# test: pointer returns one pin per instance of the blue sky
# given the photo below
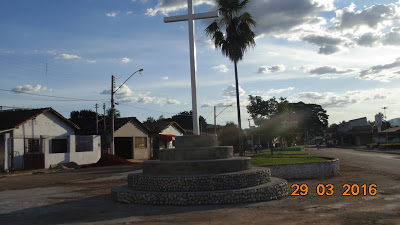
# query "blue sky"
(343, 55)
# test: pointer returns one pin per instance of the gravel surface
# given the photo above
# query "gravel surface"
(75, 202)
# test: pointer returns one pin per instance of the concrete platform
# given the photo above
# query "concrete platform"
(200, 153)
(208, 182)
(196, 141)
(275, 189)
(156, 167)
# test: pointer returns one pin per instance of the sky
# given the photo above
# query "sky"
(343, 55)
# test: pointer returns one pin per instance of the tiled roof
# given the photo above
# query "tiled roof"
(391, 130)
(367, 129)
(11, 119)
(118, 123)
(158, 127)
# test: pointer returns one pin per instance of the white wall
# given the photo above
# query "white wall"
(73, 156)
(172, 130)
(46, 127)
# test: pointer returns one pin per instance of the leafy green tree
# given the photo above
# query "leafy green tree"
(149, 120)
(117, 113)
(288, 120)
(238, 37)
(228, 136)
(184, 119)
(85, 119)
(161, 118)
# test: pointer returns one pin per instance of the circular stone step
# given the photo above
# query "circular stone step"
(276, 189)
(167, 183)
(202, 153)
(196, 141)
(157, 167)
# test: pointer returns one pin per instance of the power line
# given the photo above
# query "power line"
(52, 96)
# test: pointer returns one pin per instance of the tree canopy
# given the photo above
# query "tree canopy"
(278, 117)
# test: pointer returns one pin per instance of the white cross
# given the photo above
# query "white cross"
(191, 17)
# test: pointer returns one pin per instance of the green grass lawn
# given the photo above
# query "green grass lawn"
(291, 160)
(284, 157)
(359, 147)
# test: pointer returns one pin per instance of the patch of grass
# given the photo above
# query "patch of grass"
(283, 154)
(262, 161)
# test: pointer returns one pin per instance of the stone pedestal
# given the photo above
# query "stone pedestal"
(199, 172)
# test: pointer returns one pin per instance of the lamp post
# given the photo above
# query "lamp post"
(113, 106)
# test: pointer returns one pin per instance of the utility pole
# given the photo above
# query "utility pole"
(384, 110)
(215, 119)
(112, 114)
(97, 120)
(215, 116)
(104, 116)
(113, 106)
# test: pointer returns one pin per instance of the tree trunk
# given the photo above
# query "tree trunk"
(238, 111)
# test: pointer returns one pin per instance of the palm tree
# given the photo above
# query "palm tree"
(237, 39)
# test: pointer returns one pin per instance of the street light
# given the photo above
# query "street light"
(113, 106)
(215, 117)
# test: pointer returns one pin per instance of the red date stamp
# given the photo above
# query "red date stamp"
(329, 189)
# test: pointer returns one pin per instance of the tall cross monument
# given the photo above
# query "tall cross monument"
(191, 17)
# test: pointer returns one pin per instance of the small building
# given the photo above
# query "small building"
(131, 138)
(37, 138)
(163, 135)
(355, 132)
(391, 135)
(331, 135)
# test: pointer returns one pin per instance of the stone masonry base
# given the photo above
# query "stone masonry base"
(275, 189)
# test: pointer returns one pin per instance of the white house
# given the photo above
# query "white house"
(131, 138)
(37, 138)
(163, 134)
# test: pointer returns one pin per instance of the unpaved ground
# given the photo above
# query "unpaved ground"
(90, 203)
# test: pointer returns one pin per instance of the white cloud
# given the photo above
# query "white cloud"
(230, 91)
(126, 95)
(375, 17)
(220, 103)
(91, 61)
(166, 6)
(7, 52)
(51, 52)
(125, 60)
(221, 68)
(205, 42)
(129, 12)
(271, 69)
(272, 92)
(68, 56)
(383, 73)
(328, 70)
(173, 102)
(112, 14)
(334, 100)
(164, 78)
(29, 88)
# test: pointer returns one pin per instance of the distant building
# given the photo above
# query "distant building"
(37, 138)
(354, 132)
(163, 135)
(131, 138)
(391, 135)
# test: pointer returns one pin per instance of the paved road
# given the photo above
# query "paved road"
(389, 163)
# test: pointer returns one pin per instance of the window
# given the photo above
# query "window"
(84, 143)
(140, 142)
(59, 146)
(32, 145)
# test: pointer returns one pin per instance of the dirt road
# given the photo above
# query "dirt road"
(87, 201)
